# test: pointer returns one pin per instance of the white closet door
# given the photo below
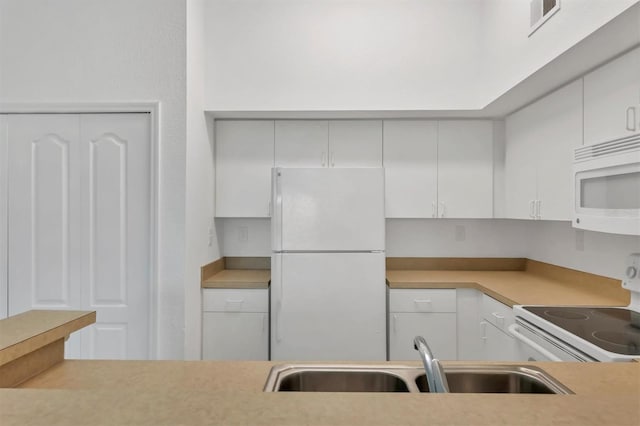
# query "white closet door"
(43, 215)
(115, 174)
(79, 225)
(3, 216)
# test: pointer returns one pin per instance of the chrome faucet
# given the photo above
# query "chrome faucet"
(436, 379)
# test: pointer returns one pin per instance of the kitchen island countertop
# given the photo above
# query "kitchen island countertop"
(209, 392)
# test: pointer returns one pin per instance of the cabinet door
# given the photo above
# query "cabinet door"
(498, 346)
(235, 336)
(355, 143)
(612, 100)
(465, 169)
(301, 143)
(521, 163)
(438, 329)
(244, 158)
(558, 132)
(411, 171)
(4, 154)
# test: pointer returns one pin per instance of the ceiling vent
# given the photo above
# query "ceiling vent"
(541, 11)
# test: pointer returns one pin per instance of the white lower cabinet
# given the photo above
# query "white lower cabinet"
(235, 324)
(497, 343)
(430, 313)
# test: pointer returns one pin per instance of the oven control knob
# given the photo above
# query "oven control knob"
(632, 272)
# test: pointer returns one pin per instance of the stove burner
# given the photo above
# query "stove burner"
(564, 314)
(617, 338)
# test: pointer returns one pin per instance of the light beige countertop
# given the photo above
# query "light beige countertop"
(537, 284)
(23, 333)
(236, 272)
(209, 392)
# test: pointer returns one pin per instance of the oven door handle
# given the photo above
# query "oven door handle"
(514, 330)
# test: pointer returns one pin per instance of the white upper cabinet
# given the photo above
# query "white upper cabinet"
(411, 171)
(301, 143)
(465, 169)
(318, 143)
(244, 158)
(612, 100)
(540, 140)
(355, 143)
(438, 169)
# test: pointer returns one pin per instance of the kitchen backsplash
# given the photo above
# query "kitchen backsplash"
(546, 241)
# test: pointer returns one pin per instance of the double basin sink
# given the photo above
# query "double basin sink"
(480, 378)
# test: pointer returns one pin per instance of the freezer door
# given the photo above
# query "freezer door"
(328, 307)
(328, 209)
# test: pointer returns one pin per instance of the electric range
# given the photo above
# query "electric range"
(584, 333)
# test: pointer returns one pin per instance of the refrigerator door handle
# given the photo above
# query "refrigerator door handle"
(277, 321)
(276, 213)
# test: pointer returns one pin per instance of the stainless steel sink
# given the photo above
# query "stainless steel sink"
(497, 379)
(340, 378)
(474, 378)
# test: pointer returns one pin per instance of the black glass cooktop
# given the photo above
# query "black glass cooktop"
(612, 329)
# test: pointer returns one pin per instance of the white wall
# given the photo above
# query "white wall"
(342, 54)
(510, 55)
(456, 238)
(201, 239)
(594, 252)
(272, 55)
(113, 51)
(245, 237)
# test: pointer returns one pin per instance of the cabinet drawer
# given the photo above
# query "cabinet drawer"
(430, 300)
(497, 313)
(235, 300)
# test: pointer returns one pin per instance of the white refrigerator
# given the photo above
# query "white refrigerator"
(328, 291)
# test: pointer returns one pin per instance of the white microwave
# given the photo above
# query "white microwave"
(607, 186)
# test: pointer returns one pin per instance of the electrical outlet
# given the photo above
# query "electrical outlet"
(243, 234)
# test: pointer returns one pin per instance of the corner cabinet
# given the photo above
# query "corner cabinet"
(540, 140)
(235, 324)
(438, 169)
(430, 313)
(612, 100)
(244, 157)
(321, 143)
(497, 343)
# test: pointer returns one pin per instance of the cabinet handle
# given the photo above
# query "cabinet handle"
(433, 210)
(443, 205)
(233, 304)
(538, 205)
(499, 319)
(631, 119)
(424, 305)
(323, 159)
(395, 322)
(333, 157)
(483, 330)
(532, 209)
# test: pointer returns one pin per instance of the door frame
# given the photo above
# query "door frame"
(150, 107)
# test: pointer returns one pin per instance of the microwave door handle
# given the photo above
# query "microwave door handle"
(514, 330)
(631, 119)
